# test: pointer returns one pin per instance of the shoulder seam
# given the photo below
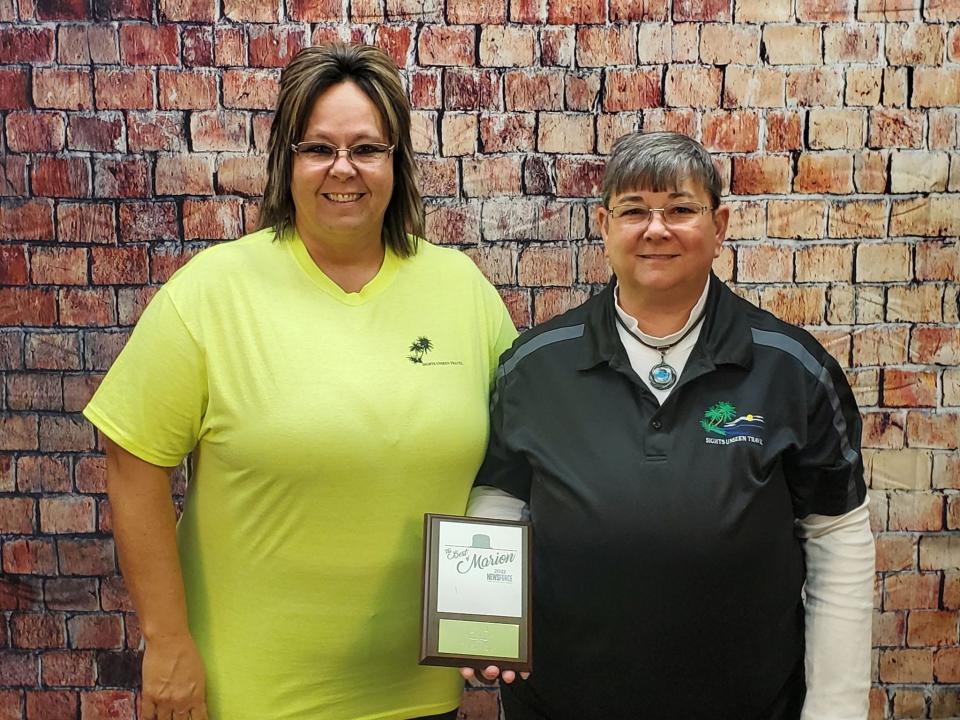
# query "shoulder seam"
(550, 337)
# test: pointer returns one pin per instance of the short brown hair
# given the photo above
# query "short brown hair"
(310, 73)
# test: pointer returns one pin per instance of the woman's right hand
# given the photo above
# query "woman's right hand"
(174, 680)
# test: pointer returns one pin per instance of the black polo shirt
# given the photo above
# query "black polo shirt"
(667, 574)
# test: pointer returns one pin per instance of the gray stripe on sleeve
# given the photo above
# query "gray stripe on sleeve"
(819, 371)
(540, 341)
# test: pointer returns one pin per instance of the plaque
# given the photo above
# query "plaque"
(476, 592)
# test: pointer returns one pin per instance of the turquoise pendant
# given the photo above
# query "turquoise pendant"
(662, 376)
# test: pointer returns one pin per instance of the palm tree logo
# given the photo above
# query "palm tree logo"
(418, 349)
(717, 415)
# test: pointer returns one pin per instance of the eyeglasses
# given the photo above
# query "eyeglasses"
(362, 155)
(674, 215)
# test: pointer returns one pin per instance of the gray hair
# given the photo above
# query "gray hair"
(659, 162)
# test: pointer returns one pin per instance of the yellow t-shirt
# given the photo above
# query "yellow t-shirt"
(323, 425)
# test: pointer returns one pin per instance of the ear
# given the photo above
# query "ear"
(603, 216)
(721, 218)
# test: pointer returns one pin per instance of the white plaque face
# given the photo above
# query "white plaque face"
(480, 569)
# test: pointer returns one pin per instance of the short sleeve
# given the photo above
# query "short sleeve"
(152, 400)
(825, 475)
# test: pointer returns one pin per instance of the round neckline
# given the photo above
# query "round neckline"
(375, 287)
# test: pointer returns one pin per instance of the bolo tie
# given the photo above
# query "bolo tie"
(662, 376)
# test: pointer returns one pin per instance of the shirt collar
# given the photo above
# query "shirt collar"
(724, 339)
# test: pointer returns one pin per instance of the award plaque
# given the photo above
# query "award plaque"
(476, 593)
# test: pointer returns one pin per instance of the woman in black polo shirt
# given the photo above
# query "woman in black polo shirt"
(691, 465)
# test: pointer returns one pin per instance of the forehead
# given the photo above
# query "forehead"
(344, 108)
(686, 189)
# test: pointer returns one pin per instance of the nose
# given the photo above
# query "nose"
(342, 168)
(656, 228)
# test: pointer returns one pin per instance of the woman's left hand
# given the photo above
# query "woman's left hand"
(489, 675)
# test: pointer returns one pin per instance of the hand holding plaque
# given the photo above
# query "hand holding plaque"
(476, 597)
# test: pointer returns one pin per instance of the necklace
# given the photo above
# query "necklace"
(662, 375)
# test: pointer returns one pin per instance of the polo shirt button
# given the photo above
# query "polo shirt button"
(656, 424)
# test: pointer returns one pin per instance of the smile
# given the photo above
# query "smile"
(343, 197)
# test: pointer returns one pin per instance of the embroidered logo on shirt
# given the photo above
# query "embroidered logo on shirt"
(420, 347)
(722, 420)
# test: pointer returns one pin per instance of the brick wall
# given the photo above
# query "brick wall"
(132, 135)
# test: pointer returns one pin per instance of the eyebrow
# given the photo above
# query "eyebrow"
(639, 198)
(358, 139)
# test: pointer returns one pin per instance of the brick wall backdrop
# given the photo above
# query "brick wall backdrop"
(132, 134)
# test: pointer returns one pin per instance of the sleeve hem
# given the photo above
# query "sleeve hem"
(126, 442)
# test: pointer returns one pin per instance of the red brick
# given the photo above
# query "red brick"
(148, 222)
(118, 265)
(753, 87)
(935, 345)
(736, 131)
(250, 89)
(86, 222)
(832, 129)
(26, 45)
(17, 515)
(142, 44)
(604, 46)
(37, 630)
(557, 46)
(27, 306)
(797, 305)
(211, 219)
(315, 10)
(107, 705)
(63, 433)
(187, 89)
(66, 514)
(896, 552)
(825, 10)
(20, 432)
(816, 86)
(91, 474)
(13, 176)
(928, 430)
(184, 175)
(931, 628)
(784, 131)
(540, 91)
(544, 266)
(33, 391)
(486, 176)
(942, 10)
(67, 668)
(95, 632)
(198, 46)
(165, 261)
(445, 45)
(632, 90)
(824, 173)
(78, 389)
(910, 591)
(243, 175)
(18, 669)
(13, 89)
(909, 388)
(577, 12)
(946, 663)
(693, 86)
(632, 10)
(59, 266)
(579, 178)
(61, 9)
(60, 177)
(62, 89)
(11, 705)
(550, 302)
(708, 10)
(883, 430)
(13, 265)
(123, 89)
(906, 666)
(86, 557)
(396, 41)
(273, 46)
(937, 260)
(52, 351)
(51, 705)
(914, 44)
(895, 128)
(188, 10)
(916, 511)
(156, 131)
(935, 87)
(581, 92)
(425, 89)
(28, 557)
(758, 175)
(722, 44)
(222, 130)
(230, 43)
(131, 303)
(507, 133)
(470, 12)
(101, 133)
(83, 44)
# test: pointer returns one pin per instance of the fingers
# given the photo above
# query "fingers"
(490, 673)
(508, 676)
